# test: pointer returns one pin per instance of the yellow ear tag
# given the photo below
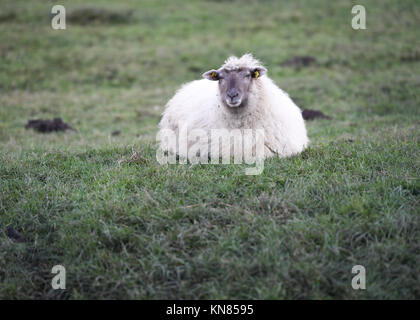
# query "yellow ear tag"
(256, 74)
(213, 75)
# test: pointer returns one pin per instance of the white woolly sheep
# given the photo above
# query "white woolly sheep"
(239, 95)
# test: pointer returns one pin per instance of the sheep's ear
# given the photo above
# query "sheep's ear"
(258, 72)
(211, 75)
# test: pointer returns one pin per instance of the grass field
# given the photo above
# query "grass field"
(126, 227)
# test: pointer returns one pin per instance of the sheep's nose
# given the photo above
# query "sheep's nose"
(232, 94)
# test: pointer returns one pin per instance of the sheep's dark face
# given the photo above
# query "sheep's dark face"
(234, 85)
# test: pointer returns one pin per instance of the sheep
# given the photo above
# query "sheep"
(237, 96)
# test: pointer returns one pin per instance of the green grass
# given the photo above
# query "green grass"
(126, 227)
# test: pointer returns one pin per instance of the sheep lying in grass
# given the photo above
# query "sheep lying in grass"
(239, 95)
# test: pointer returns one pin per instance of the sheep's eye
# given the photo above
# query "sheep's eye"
(247, 75)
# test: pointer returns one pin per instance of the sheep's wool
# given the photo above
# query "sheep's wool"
(197, 105)
(246, 61)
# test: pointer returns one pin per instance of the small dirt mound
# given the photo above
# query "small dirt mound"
(309, 114)
(115, 133)
(46, 126)
(300, 61)
(7, 16)
(91, 15)
(411, 57)
(14, 235)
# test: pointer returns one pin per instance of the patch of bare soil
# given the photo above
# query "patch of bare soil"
(309, 114)
(14, 235)
(46, 126)
(94, 15)
(300, 61)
